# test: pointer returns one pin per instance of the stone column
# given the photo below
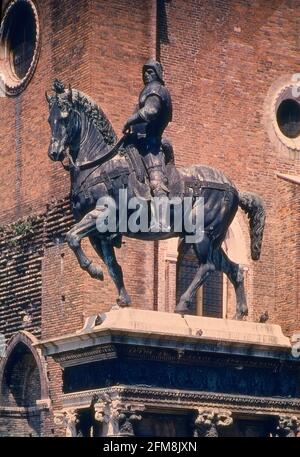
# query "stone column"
(126, 420)
(209, 421)
(67, 418)
(116, 416)
(288, 426)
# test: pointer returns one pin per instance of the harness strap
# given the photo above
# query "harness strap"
(197, 186)
(105, 178)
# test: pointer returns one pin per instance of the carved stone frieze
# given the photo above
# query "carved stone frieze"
(67, 418)
(86, 355)
(288, 426)
(162, 399)
(116, 416)
(209, 421)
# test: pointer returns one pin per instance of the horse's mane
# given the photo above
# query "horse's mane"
(84, 103)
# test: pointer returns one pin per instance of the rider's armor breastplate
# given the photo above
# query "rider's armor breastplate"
(156, 126)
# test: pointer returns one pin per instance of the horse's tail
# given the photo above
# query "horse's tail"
(254, 207)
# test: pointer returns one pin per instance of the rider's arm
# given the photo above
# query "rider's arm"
(149, 111)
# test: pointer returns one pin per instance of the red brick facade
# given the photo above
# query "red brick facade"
(220, 60)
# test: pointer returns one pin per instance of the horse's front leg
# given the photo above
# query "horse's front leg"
(85, 227)
(105, 249)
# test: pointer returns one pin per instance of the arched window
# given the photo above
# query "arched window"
(23, 388)
(21, 385)
(216, 298)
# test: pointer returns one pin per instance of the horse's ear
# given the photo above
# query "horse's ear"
(48, 98)
(70, 94)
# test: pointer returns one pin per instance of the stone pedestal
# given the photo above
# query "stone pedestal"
(206, 371)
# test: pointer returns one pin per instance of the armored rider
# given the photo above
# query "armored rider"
(148, 122)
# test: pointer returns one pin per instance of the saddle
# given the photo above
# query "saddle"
(138, 180)
(189, 182)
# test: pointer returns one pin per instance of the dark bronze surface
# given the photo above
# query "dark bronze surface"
(143, 163)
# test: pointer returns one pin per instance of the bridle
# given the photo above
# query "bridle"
(93, 163)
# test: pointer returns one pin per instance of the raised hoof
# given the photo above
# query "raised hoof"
(96, 272)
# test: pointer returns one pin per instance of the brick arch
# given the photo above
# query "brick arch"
(237, 247)
(23, 343)
(237, 241)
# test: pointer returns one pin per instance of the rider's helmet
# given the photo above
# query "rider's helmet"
(156, 66)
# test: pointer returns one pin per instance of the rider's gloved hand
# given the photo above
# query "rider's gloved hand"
(134, 119)
(127, 127)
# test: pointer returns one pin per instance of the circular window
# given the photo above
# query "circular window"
(288, 118)
(281, 116)
(19, 35)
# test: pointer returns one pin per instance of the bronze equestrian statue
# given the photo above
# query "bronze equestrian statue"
(145, 129)
(100, 166)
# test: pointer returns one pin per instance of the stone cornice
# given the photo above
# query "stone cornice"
(167, 399)
(42, 405)
(165, 330)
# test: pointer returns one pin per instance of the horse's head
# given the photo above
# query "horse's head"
(60, 120)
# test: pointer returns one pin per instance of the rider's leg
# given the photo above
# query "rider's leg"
(168, 151)
(159, 222)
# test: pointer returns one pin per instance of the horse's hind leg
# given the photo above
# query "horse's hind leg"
(86, 226)
(105, 250)
(206, 266)
(235, 274)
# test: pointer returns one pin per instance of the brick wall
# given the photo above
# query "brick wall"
(77, 48)
(220, 59)
(76, 43)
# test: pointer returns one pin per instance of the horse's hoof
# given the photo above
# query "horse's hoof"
(240, 315)
(123, 299)
(96, 272)
(123, 303)
(244, 311)
(182, 309)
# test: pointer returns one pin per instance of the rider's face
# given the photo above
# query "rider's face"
(149, 75)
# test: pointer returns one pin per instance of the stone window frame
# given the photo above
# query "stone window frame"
(284, 88)
(10, 85)
(29, 341)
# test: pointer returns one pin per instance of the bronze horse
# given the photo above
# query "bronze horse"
(82, 134)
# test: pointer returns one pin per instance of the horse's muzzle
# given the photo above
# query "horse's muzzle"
(56, 151)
